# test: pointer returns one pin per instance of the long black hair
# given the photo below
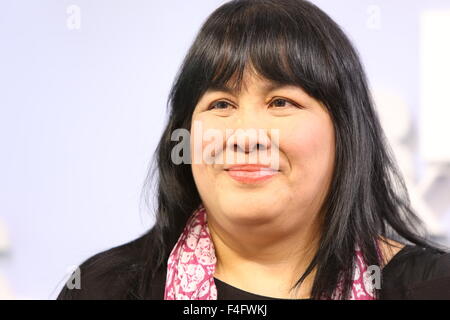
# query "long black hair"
(291, 42)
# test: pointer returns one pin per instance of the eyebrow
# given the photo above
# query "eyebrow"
(270, 86)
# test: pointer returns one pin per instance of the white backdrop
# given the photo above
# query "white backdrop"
(83, 90)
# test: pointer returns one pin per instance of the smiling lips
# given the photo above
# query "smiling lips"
(251, 173)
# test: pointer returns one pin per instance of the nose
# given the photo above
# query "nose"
(248, 141)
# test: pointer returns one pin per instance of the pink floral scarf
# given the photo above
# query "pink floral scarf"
(191, 265)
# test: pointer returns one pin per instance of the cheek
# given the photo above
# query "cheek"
(203, 149)
(206, 140)
(309, 147)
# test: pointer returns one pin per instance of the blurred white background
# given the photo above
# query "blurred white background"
(83, 89)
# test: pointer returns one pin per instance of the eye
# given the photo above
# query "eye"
(221, 105)
(277, 103)
(280, 102)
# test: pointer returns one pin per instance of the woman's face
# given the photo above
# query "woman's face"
(297, 133)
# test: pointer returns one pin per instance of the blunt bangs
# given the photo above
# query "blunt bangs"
(262, 38)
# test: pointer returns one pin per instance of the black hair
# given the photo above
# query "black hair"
(291, 42)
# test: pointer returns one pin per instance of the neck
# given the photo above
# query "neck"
(263, 260)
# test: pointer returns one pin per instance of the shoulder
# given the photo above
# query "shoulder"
(416, 272)
(110, 274)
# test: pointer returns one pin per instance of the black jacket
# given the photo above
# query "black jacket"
(413, 273)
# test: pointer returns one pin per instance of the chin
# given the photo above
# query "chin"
(250, 211)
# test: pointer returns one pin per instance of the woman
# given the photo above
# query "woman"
(324, 216)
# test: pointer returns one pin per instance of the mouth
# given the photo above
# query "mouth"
(251, 175)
